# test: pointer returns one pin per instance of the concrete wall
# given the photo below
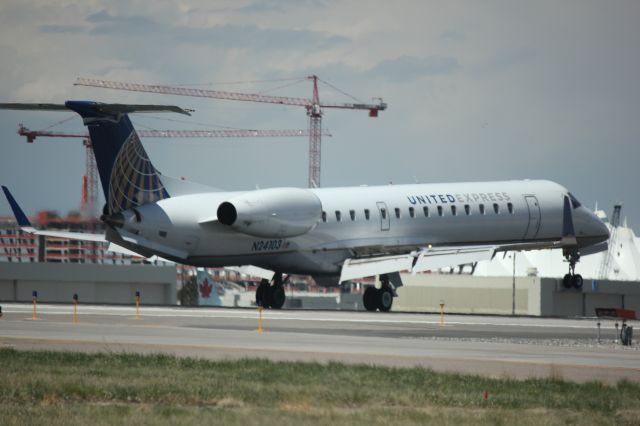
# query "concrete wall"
(57, 282)
(493, 295)
(465, 294)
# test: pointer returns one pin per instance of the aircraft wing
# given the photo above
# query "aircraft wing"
(25, 225)
(431, 258)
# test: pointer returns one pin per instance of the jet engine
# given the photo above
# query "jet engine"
(272, 213)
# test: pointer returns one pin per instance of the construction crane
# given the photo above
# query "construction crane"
(605, 265)
(89, 198)
(313, 108)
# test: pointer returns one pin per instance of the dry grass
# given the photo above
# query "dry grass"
(73, 388)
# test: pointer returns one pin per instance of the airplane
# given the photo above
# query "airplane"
(333, 234)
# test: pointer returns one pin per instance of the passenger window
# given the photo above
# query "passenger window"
(397, 213)
(324, 216)
(496, 208)
(425, 209)
(467, 209)
(510, 208)
(439, 210)
(163, 234)
(383, 213)
(453, 210)
(412, 212)
(481, 206)
(366, 214)
(352, 213)
(338, 216)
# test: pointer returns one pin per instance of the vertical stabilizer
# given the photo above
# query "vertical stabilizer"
(127, 175)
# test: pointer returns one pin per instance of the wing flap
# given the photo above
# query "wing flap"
(443, 257)
(253, 271)
(366, 267)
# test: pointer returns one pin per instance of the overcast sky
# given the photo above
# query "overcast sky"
(476, 90)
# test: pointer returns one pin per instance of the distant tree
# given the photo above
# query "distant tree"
(188, 294)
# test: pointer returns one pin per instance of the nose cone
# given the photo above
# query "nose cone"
(589, 228)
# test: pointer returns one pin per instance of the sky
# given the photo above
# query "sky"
(476, 91)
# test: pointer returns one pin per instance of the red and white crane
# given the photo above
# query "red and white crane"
(313, 108)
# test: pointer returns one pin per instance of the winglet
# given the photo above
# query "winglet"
(17, 211)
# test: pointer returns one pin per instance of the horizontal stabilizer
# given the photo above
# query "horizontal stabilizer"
(34, 107)
(111, 109)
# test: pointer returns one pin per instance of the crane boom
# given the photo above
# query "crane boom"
(212, 133)
(313, 107)
(218, 94)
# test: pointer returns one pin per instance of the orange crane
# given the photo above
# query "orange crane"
(89, 198)
(313, 107)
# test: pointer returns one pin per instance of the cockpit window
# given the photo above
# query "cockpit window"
(574, 202)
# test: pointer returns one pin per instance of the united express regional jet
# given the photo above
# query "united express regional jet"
(332, 234)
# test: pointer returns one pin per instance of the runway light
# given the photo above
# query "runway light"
(137, 305)
(260, 329)
(75, 307)
(34, 297)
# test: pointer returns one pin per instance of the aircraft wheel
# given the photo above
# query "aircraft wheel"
(263, 295)
(567, 281)
(577, 281)
(369, 299)
(278, 297)
(385, 299)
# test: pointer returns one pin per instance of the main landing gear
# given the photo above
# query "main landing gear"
(379, 298)
(271, 295)
(572, 279)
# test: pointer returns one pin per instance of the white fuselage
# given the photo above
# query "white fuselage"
(361, 221)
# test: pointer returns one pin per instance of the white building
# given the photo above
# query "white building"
(624, 263)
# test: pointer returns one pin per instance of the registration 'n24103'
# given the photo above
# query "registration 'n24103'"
(268, 245)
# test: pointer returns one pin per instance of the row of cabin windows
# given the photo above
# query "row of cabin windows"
(425, 211)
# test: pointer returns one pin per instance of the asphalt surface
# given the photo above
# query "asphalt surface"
(493, 346)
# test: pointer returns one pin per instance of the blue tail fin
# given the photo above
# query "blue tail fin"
(127, 175)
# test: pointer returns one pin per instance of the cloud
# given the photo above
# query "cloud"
(229, 36)
(61, 29)
(411, 68)
(453, 36)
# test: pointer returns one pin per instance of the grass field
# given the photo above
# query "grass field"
(72, 388)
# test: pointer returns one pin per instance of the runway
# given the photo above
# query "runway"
(484, 345)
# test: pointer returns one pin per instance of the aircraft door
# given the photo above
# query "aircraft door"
(534, 217)
(385, 221)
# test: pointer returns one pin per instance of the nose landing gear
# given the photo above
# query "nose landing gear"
(572, 279)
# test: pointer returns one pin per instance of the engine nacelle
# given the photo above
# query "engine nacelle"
(272, 213)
